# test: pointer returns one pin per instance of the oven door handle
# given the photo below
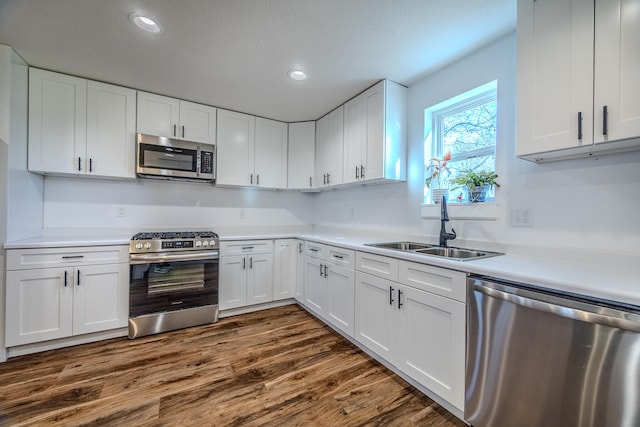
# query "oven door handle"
(168, 257)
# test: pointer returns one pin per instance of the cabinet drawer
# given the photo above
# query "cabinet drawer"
(339, 256)
(246, 247)
(315, 250)
(440, 281)
(377, 265)
(22, 259)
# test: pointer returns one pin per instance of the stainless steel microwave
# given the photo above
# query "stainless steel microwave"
(166, 158)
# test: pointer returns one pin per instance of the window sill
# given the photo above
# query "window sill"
(485, 211)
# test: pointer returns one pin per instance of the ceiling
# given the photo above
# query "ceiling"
(235, 54)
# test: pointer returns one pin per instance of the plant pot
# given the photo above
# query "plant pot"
(478, 194)
(438, 193)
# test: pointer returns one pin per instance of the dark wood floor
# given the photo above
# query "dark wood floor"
(279, 367)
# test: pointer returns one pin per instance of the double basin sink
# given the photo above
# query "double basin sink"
(458, 254)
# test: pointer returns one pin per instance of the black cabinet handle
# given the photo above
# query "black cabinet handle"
(244, 263)
(399, 299)
(324, 179)
(310, 182)
(78, 277)
(174, 130)
(390, 295)
(66, 281)
(328, 179)
(258, 179)
(299, 248)
(361, 171)
(326, 273)
(79, 164)
(251, 263)
(357, 173)
(245, 248)
(183, 131)
(605, 117)
(321, 275)
(90, 165)
(338, 256)
(251, 179)
(580, 125)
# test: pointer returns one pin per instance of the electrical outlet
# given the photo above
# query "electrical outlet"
(121, 211)
(522, 217)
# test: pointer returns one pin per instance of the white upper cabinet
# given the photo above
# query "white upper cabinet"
(80, 127)
(270, 154)
(111, 130)
(301, 160)
(174, 118)
(375, 134)
(251, 151)
(574, 68)
(57, 122)
(329, 148)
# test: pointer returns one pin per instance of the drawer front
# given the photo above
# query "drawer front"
(246, 247)
(339, 256)
(315, 250)
(23, 259)
(377, 265)
(440, 281)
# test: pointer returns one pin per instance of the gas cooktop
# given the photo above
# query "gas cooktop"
(173, 241)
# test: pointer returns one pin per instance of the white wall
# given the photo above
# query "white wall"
(86, 203)
(586, 204)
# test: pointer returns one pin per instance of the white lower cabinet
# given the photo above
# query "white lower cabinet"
(45, 300)
(285, 266)
(246, 273)
(418, 331)
(329, 285)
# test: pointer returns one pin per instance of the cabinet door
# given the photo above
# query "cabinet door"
(259, 278)
(555, 74)
(432, 349)
(101, 298)
(300, 276)
(197, 122)
(329, 148)
(57, 122)
(340, 298)
(377, 315)
(617, 67)
(158, 115)
(39, 305)
(301, 160)
(233, 282)
(270, 153)
(374, 151)
(235, 144)
(285, 268)
(315, 292)
(355, 138)
(111, 130)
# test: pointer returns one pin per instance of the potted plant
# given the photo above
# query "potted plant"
(438, 167)
(476, 183)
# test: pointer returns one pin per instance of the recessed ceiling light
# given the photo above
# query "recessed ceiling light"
(144, 23)
(297, 74)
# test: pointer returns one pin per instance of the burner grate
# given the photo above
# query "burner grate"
(169, 235)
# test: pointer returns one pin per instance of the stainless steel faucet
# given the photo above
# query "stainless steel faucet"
(444, 218)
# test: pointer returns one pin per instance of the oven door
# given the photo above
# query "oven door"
(168, 282)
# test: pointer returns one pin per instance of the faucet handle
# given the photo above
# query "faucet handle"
(454, 233)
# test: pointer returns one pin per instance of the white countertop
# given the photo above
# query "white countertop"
(613, 277)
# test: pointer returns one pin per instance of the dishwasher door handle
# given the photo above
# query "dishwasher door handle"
(621, 322)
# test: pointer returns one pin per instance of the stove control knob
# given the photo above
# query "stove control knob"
(148, 245)
(198, 243)
(205, 243)
(139, 245)
(212, 243)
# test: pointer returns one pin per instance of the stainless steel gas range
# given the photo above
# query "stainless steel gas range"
(173, 281)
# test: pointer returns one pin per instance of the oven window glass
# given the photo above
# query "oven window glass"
(168, 278)
(160, 157)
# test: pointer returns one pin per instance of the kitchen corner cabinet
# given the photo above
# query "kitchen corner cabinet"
(174, 118)
(329, 148)
(285, 266)
(375, 141)
(251, 151)
(577, 78)
(61, 292)
(329, 285)
(301, 159)
(246, 273)
(80, 127)
(402, 316)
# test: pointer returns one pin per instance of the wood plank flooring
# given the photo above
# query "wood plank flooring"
(278, 367)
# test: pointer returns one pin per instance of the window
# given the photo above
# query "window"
(464, 129)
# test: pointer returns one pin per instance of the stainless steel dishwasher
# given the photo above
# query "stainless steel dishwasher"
(541, 358)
